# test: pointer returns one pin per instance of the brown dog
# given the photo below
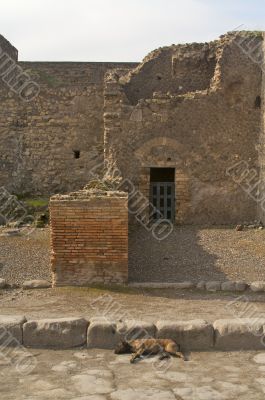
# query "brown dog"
(139, 347)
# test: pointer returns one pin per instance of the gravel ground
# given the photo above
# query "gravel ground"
(197, 253)
(25, 257)
(189, 253)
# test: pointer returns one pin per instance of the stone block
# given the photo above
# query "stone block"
(228, 286)
(102, 334)
(201, 285)
(2, 283)
(213, 286)
(241, 286)
(257, 286)
(239, 334)
(184, 285)
(131, 330)
(11, 332)
(36, 284)
(190, 335)
(58, 333)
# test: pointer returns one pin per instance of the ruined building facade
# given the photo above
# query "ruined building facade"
(176, 127)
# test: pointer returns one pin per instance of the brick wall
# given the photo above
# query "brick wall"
(89, 239)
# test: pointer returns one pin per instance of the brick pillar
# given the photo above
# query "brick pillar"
(89, 239)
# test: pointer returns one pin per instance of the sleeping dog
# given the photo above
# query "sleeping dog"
(139, 347)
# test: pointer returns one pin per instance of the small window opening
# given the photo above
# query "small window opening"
(76, 153)
(258, 102)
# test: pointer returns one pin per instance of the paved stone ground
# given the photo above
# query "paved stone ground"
(101, 375)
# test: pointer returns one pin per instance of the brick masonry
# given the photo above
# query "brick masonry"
(89, 239)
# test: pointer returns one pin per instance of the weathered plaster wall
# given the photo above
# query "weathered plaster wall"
(38, 138)
(200, 133)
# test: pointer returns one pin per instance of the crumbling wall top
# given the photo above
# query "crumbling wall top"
(184, 68)
(6, 47)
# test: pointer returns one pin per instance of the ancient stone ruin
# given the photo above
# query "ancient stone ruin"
(184, 130)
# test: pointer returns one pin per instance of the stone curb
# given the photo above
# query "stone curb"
(190, 335)
(11, 330)
(61, 333)
(36, 284)
(239, 334)
(194, 335)
(210, 286)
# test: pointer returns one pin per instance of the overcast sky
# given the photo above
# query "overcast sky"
(118, 30)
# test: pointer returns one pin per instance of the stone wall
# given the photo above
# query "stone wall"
(260, 193)
(89, 239)
(200, 133)
(50, 144)
(6, 47)
(177, 69)
(193, 107)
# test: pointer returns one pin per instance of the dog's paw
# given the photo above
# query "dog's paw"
(186, 358)
(164, 357)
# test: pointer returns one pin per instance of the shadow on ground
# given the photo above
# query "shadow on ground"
(177, 258)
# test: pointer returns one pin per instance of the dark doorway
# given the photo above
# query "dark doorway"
(162, 174)
(162, 193)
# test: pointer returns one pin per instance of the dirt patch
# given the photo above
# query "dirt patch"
(115, 304)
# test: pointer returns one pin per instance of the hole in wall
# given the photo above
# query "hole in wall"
(76, 153)
(159, 77)
(258, 102)
(169, 159)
